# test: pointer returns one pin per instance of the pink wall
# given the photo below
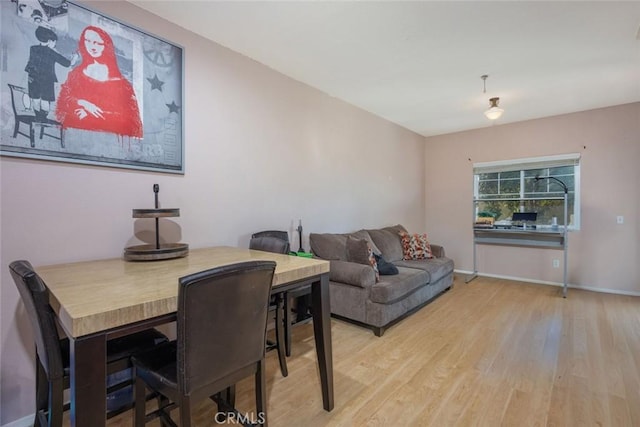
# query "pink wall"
(262, 151)
(602, 255)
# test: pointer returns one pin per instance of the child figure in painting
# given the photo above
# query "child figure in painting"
(41, 70)
(96, 96)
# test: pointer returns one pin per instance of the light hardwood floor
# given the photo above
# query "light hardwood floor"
(488, 353)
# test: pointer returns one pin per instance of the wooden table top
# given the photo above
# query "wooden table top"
(94, 296)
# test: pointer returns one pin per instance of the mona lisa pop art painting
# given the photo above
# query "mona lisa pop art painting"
(78, 86)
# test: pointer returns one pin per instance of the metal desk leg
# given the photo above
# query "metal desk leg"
(475, 266)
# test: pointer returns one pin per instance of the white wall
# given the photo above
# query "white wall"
(603, 255)
(262, 151)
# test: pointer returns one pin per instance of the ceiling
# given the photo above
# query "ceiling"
(418, 64)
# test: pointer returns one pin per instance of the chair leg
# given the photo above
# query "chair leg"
(231, 395)
(185, 411)
(287, 323)
(261, 394)
(140, 409)
(226, 402)
(280, 337)
(41, 419)
(56, 402)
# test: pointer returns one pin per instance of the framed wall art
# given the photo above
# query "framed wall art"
(78, 86)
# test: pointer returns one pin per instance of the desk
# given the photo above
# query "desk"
(531, 237)
(105, 299)
(541, 237)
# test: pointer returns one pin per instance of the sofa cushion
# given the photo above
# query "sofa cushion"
(385, 268)
(363, 234)
(388, 241)
(415, 246)
(359, 251)
(329, 246)
(394, 288)
(435, 268)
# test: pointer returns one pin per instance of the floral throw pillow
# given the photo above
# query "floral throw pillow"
(359, 250)
(415, 246)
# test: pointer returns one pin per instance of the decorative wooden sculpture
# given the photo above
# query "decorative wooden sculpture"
(158, 251)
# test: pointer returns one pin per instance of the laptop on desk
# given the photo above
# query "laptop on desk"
(524, 219)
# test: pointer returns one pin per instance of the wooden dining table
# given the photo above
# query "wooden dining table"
(96, 301)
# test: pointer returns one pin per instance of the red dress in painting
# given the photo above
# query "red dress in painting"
(112, 104)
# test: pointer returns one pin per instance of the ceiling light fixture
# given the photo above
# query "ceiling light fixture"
(494, 112)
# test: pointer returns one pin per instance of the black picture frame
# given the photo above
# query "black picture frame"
(118, 91)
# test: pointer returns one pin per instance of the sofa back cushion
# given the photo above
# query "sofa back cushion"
(363, 234)
(329, 246)
(388, 242)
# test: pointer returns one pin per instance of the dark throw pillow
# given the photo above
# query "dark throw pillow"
(385, 268)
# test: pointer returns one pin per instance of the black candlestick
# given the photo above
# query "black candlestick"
(156, 189)
(300, 237)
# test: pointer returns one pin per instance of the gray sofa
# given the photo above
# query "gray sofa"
(355, 294)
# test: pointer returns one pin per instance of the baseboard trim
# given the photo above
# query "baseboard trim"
(22, 422)
(544, 282)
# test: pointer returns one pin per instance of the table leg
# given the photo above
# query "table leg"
(88, 381)
(322, 332)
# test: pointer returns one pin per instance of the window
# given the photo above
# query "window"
(502, 188)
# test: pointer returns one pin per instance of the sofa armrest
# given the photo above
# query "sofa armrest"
(352, 273)
(437, 251)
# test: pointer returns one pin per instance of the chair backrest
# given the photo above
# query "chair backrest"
(270, 241)
(35, 297)
(222, 322)
(283, 235)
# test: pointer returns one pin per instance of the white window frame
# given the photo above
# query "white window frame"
(521, 165)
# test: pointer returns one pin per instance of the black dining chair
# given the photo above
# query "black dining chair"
(301, 297)
(277, 242)
(52, 350)
(221, 330)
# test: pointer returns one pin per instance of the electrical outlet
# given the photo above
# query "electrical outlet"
(556, 263)
(620, 219)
